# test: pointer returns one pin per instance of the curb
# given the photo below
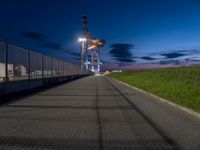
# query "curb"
(187, 110)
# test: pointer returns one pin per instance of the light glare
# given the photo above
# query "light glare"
(82, 39)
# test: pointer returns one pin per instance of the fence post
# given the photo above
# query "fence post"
(63, 68)
(42, 67)
(6, 66)
(58, 68)
(51, 67)
(6, 63)
(29, 67)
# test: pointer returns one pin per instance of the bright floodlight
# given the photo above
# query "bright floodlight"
(82, 39)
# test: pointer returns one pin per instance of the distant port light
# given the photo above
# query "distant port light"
(82, 39)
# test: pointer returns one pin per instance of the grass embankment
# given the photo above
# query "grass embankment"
(179, 85)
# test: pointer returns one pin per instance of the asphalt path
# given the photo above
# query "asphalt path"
(96, 113)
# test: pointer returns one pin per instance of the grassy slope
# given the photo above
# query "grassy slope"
(179, 85)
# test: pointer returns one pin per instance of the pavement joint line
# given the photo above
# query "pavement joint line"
(187, 110)
(99, 117)
(165, 136)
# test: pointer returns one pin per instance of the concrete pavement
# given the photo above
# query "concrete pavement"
(95, 113)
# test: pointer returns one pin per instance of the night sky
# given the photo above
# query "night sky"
(137, 32)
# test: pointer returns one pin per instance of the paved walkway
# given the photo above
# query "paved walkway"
(95, 113)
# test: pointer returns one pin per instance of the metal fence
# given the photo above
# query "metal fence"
(23, 64)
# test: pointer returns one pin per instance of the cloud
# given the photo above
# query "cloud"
(174, 62)
(105, 62)
(121, 52)
(73, 52)
(122, 64)
(127, 60)
(57, 46)
(38, 37)
(173, 55)
(148, 58)
(53, 45)
(76, 58)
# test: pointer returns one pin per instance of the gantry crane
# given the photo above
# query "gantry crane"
(90, 49)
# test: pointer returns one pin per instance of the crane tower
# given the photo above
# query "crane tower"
(90, 49)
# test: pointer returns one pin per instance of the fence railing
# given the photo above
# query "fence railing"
(23, 64)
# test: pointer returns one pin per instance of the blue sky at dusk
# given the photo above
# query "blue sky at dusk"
(135, 31)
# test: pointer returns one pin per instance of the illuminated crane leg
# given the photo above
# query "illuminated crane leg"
(98, 61)
(82, 54)
(86, 56)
